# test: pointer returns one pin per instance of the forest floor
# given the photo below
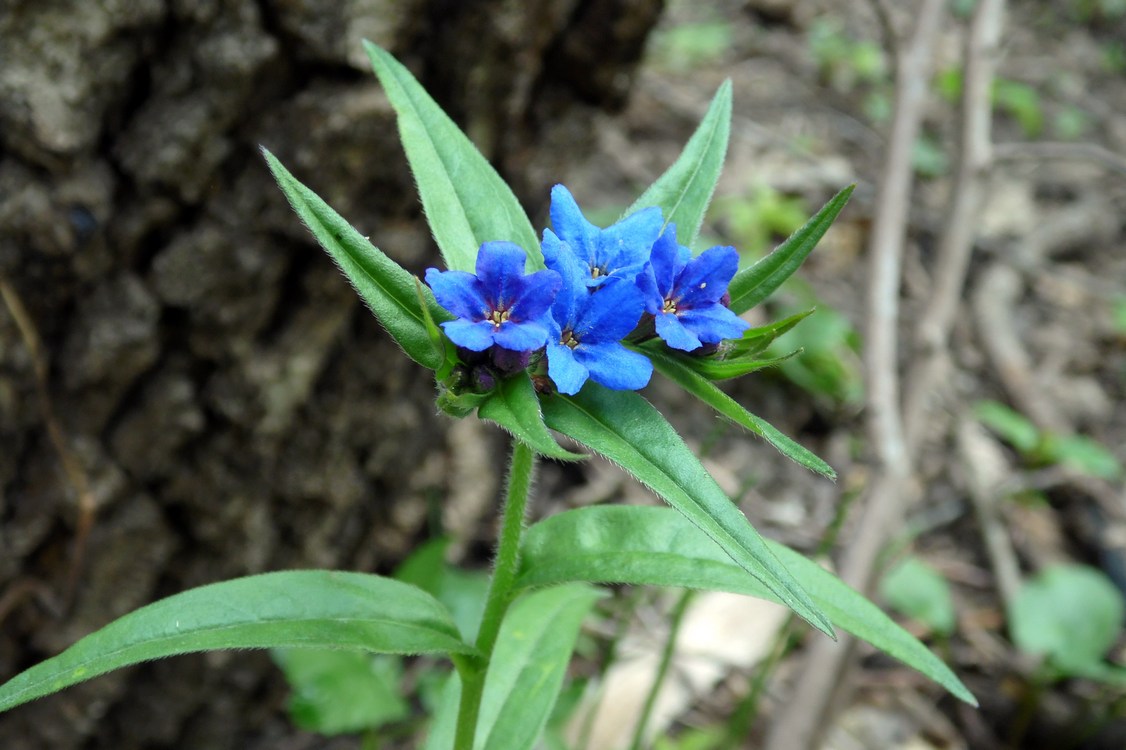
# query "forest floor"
(1025, 438)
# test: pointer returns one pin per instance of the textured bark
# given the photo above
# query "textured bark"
(232, 405)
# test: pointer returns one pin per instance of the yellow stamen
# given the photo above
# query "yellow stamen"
(496, 317)
(670, 306)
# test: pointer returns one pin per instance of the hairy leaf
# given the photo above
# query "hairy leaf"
(659, 547)
(752, 285)
(625, 428)
(684, 191)
(466, 201)
(297, 608)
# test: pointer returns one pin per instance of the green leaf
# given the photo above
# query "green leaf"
(387, 288)
(658, 547)
(338, 692)
(1071, 614)
(757, 340)
(466, 201)
(625, 428)
(514, 406)
(752, 285)
(684, 191)
(1010, 425)
(530, 659)
(463, 592)
(699, 386)
(443, 721)
(297, 608)
(920, 592)
(724, 366)
(1083, 454)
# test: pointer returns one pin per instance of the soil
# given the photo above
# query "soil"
(215, 401)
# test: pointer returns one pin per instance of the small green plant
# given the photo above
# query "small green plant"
(846, 63)
(920, 592)
(690, 46)
(1040, 448)
(1070, 616)
(538, 337)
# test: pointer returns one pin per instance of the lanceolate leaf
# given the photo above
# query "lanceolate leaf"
(756, 340)
(714, 368)
(699, 386)
(387, 288)
(625, 428)
(466, 201)
(684, 191)
(298, 608)
(526, 672)
(658, 547)
(515, 407)
(752, 285)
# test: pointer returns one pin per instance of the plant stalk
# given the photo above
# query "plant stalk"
(507, 563)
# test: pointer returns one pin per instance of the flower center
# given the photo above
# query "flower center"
(596, 272)
(670, 306)
(496, 317)
(568, 339)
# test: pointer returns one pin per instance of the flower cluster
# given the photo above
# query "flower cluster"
(602, 287)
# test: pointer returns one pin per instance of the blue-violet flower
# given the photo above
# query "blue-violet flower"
(619, 251)
(687, 304)
(586, 332)
(500, 304)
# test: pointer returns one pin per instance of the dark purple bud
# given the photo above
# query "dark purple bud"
(508, 362)
(725, 300)
(472, 358)
(704, 350)
(484, 380)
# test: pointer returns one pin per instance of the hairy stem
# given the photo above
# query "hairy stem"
(473, 672)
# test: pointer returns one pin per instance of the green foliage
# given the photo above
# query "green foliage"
(828, 362)
(530, 661)
(680, 370)
(928, 157)
(466, 201)
(691, 45)
(658, 547)
(1071, 615)
(340, 692)
(684, 191)
(754, 220)
(297, 608)
(462, 592)
(515, 407)
(752, 285)
(1039, 448)
(844, 62)
(625, 428)
(920, 592)
(389, 291)
(1017, 100)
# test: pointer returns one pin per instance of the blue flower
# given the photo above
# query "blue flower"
(586, 332)
(620, 251)
(500, 304)
(686, 293)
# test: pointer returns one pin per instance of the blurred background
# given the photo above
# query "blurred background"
(189, 390)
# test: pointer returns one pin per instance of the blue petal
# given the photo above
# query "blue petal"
(664, 266)
(704, 280)
(564, 369)
(713, 324)
(500, 267)
(570, 224)
(675, 334)
(521, 337)
(534, 296)
(459, 292)
(476, 337)
(632, 237)
(610, 313)
(573, 292)
(616, 367)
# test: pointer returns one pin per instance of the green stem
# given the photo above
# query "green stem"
(677, 617)
(500, 592)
